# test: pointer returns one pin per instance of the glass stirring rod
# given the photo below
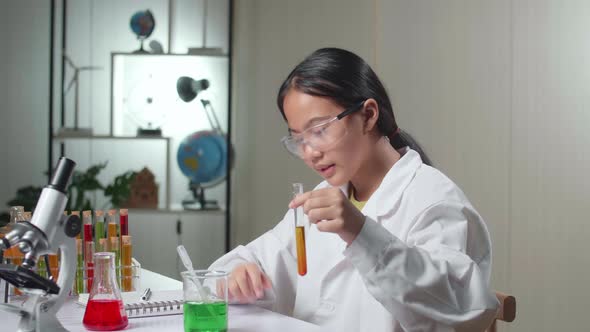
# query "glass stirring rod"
(300, 232)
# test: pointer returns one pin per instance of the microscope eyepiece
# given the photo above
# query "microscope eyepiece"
(62, 174)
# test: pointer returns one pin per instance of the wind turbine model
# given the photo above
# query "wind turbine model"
(76, 131)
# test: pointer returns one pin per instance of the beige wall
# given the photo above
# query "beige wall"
(496, 91)
(268, 44)
(550, 159)
(447, 67)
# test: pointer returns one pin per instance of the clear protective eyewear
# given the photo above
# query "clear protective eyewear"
(320, 137)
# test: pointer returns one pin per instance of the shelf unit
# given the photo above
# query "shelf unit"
(60, 42)
(62, 138)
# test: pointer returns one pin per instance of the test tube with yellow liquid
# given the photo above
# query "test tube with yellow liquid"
(112, 230)
(300, 232)
(99, 232)
(79, 281)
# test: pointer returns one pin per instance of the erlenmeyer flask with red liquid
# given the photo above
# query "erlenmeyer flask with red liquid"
(105, 310)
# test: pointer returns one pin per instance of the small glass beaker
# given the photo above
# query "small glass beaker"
(105, 310)
(205, 300)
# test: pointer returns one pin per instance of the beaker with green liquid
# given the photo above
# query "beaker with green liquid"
(205, 300)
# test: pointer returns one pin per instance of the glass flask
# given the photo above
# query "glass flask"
(105, 310)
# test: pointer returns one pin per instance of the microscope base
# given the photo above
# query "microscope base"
(46, 321)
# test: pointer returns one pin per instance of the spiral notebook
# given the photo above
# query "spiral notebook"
(161, 303)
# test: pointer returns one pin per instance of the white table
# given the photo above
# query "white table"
(156, 282)
(241, 318)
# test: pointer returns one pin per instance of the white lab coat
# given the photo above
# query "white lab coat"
(420, 263)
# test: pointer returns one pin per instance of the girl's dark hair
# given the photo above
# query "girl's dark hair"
(348, 80)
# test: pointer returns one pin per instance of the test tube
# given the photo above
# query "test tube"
(13, 253)
(88, 249)
(300, 232)
(99, 229)
(123, 220)
(89, 258)
(112, 220)
(102, 244)
(41, 267)
(17, 213)
(87, 221)
(54, 266)
(79, 284)
(126, 254)
(115, 248)
(18, 255)
(111, 229)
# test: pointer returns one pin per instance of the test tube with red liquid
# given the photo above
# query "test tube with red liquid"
(123, 221)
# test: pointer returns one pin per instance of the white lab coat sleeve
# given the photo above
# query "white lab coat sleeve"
(429, 283)
(274, 252)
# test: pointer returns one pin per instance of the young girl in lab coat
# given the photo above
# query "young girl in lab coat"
(396, 244)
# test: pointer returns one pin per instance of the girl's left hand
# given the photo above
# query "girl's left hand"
(331, 211)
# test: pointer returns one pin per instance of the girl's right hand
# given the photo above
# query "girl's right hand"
(247, 283)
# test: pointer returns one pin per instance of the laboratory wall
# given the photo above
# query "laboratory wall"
(549, 162)
(447, 66)
(497, 93)
(24, 92)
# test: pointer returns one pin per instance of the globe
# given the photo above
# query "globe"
(202, 157)
(142, 24)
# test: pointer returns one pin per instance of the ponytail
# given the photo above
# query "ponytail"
(400, 139)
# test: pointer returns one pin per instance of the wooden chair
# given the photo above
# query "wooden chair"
(506, 312)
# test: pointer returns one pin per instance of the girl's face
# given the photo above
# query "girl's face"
(336, 157)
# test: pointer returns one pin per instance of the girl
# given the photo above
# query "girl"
(394, 244)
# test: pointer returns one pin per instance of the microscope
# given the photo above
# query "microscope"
(48, 231)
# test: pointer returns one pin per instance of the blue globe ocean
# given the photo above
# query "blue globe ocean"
(142, 23)
(202, 157)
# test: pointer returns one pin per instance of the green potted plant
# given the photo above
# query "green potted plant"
(119, 190)
(81, 184)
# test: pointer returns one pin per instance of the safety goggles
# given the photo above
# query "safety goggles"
(320, 137)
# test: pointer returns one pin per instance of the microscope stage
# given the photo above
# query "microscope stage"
(24, 278)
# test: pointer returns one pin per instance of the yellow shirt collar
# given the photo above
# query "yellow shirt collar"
(359, 204)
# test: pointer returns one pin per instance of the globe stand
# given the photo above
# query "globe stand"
(141, 50)
(199, 202)
(149, 131)
(142, 132)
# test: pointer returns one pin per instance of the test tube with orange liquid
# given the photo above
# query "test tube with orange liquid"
(54, 266)
(300, 232)
(126, 262)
